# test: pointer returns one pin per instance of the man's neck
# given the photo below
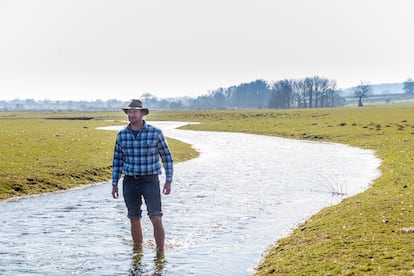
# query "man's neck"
(137, 126)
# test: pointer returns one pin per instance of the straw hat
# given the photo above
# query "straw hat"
(135, 105)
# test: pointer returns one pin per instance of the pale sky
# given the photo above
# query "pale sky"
(121, 49)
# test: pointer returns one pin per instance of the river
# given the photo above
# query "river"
(226, 208)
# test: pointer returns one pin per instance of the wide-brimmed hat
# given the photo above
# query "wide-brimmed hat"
(135, 105)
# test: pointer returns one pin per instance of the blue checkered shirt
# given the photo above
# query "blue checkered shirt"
(140, 155)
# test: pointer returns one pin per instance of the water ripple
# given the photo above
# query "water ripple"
(226, 207)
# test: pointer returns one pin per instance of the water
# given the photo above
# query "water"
(227, 206)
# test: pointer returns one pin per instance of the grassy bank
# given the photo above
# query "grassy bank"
(46, 152)
(371, 233)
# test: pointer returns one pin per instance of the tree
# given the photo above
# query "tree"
(408, 86)
(308, 84)
(219, 99)
(299, 90)
(362, 91)
(149, 100)
(281, 94)
(254, 94)
(330, 95)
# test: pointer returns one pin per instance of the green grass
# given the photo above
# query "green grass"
(46, 152)
(367, 234)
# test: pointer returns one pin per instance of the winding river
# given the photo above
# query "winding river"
(241, 195)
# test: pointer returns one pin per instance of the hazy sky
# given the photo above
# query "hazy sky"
(120, 49)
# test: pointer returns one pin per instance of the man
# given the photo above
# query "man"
(136, 155)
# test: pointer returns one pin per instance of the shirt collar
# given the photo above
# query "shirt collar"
(144, 127)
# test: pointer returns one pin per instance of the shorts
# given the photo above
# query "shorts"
(137, 187)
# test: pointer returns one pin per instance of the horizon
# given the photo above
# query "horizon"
(164, 98)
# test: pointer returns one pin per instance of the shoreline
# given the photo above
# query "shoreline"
(80, 187)
(257, 141)
(387, 130)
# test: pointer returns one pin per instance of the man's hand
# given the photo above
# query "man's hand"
(167, 188)
(115, 191)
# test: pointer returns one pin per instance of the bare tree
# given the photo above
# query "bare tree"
(308, 84)
(408, 86)
(329, 95)
(148, 98)
(299, 93)
(218, 98)
(281, 94)
(362, 91)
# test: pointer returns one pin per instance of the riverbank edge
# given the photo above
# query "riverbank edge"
(364, 242)
(80, 187)
(369, 233)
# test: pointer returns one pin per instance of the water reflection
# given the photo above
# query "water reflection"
(140, 267)
(226, 208)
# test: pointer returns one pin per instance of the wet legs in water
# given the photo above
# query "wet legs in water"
(139, 267)
(159, 234)
(136, 233)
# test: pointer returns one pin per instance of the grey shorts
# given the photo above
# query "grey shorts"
(136, 188)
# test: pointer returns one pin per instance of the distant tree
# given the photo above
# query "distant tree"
(163, 104)
(149, 100)
(362, 91)
(308, 84)
(299, 92)
(316, 91)
(260, 91)
(408, 86)
(281, 94)
(248, 95)
(203, 102)
(176, 105)
(218, 98)
(329, 94)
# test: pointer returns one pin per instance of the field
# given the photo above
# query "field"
(371, 233)
(46, 152)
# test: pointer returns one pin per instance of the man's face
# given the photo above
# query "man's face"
(135, 115)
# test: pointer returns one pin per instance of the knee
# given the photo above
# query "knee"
(156, 220)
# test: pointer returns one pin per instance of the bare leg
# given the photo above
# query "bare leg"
(159, 234)
(136, 232)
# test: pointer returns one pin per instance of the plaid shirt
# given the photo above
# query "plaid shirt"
(140, 155)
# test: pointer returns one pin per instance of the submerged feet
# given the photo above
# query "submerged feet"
(159, 262)
(141, 265)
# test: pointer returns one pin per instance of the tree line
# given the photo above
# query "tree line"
(310, 92)
(364, 90)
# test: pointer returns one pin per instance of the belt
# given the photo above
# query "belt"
(142, 176)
